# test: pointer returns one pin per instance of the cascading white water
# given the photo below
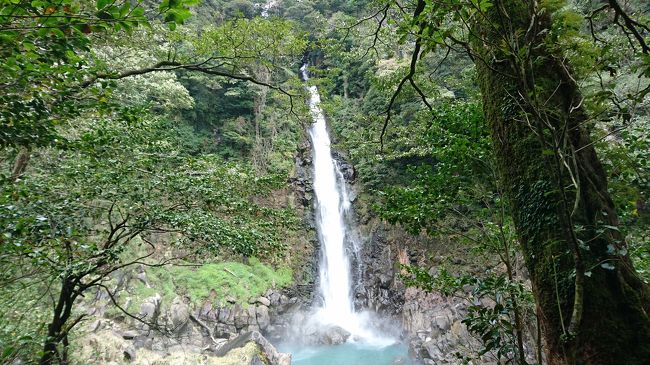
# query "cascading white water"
(332, 204)
(334, 271)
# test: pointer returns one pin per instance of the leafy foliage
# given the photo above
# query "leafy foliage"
(91, 97)
(43, 63)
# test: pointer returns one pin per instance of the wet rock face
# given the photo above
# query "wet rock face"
(430, 323)
(302, 180)
(348, 171)
(379, 288)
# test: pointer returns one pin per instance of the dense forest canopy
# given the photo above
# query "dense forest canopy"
(160, 133)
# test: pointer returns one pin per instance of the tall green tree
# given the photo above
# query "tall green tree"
(107, 174)
(591, 302)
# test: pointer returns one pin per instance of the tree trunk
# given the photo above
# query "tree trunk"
(56, 332)
(593, 307)
(20, 164)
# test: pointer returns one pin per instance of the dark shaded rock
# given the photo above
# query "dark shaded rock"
(240, 317)
(129, 353)
(262, 316)
(347, 170)
(223, 330)
(129, 335)
(385, 281)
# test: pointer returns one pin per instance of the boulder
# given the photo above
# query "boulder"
(262, 315)
(226, 316)
(266, 348)
(264, 301)
(442, 322)
(206, 311)
(432, 350)
(274, 298)
(150, 307)
(334, 335)
(179, 314)
(129, 335)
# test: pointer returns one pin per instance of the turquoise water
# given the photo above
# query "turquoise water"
(348, 354)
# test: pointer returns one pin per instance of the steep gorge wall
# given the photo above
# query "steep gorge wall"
(430, 323)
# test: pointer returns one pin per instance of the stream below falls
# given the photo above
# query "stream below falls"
(348, 354)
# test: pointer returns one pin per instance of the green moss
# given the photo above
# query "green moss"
(240, 355)
(228, 279)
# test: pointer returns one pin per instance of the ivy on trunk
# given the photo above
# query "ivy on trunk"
(591, 303)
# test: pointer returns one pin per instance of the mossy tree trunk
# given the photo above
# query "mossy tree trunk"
(593, 307)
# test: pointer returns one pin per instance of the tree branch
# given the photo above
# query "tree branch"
(631, 25)
(198, 67)
(409, 77)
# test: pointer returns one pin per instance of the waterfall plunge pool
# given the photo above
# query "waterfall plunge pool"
(349, 353)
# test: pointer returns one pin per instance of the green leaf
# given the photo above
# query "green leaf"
(138, 11)
(101, 4)
(124, 9)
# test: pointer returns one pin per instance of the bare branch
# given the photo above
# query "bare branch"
(409, 77)
(630, 25)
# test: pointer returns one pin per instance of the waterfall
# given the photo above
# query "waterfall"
(335, 286)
